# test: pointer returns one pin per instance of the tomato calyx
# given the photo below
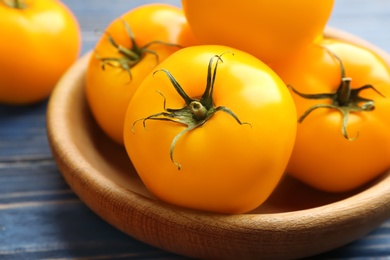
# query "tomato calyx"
(345, 99)
(130, 56)
(17, 4)
(196, 111)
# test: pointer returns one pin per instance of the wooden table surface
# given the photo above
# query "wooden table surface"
(40, 216)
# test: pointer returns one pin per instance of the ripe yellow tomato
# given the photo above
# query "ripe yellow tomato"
(344, 142)
(40, 40)
(118, 65)
(269, 29)
(211, 129)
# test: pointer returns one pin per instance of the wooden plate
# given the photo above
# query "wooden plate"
(296, 221)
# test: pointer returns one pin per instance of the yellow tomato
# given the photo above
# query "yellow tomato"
(269, 29)
(212, 129)
(40, 40)
(130, 48)
(344, 142)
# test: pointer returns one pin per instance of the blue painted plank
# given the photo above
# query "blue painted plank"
(66, 229)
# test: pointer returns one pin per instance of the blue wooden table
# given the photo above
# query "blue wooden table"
(40, 216)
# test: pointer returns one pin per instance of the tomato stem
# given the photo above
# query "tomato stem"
(344, 90)
(345, 99)
(196, 112)
(17, 4)
(129, 57)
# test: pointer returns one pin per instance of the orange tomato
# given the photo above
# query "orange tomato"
(269, 29)
(345, 143)
(190, 143)
(118, 65)
(40, 40)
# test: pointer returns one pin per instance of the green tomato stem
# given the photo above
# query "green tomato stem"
(196, 112)
(345, 99)
(130, 56)
(344, 92)
(17, 4)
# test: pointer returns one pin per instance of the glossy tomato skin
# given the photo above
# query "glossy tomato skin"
(109, 90)
(322, 156)
(225, 167)
(39, 43)
(269, 29)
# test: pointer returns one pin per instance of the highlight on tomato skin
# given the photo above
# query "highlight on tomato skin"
(35, 52)
(337, 150)
(201, 130)
(271, 30)
(131, 46)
